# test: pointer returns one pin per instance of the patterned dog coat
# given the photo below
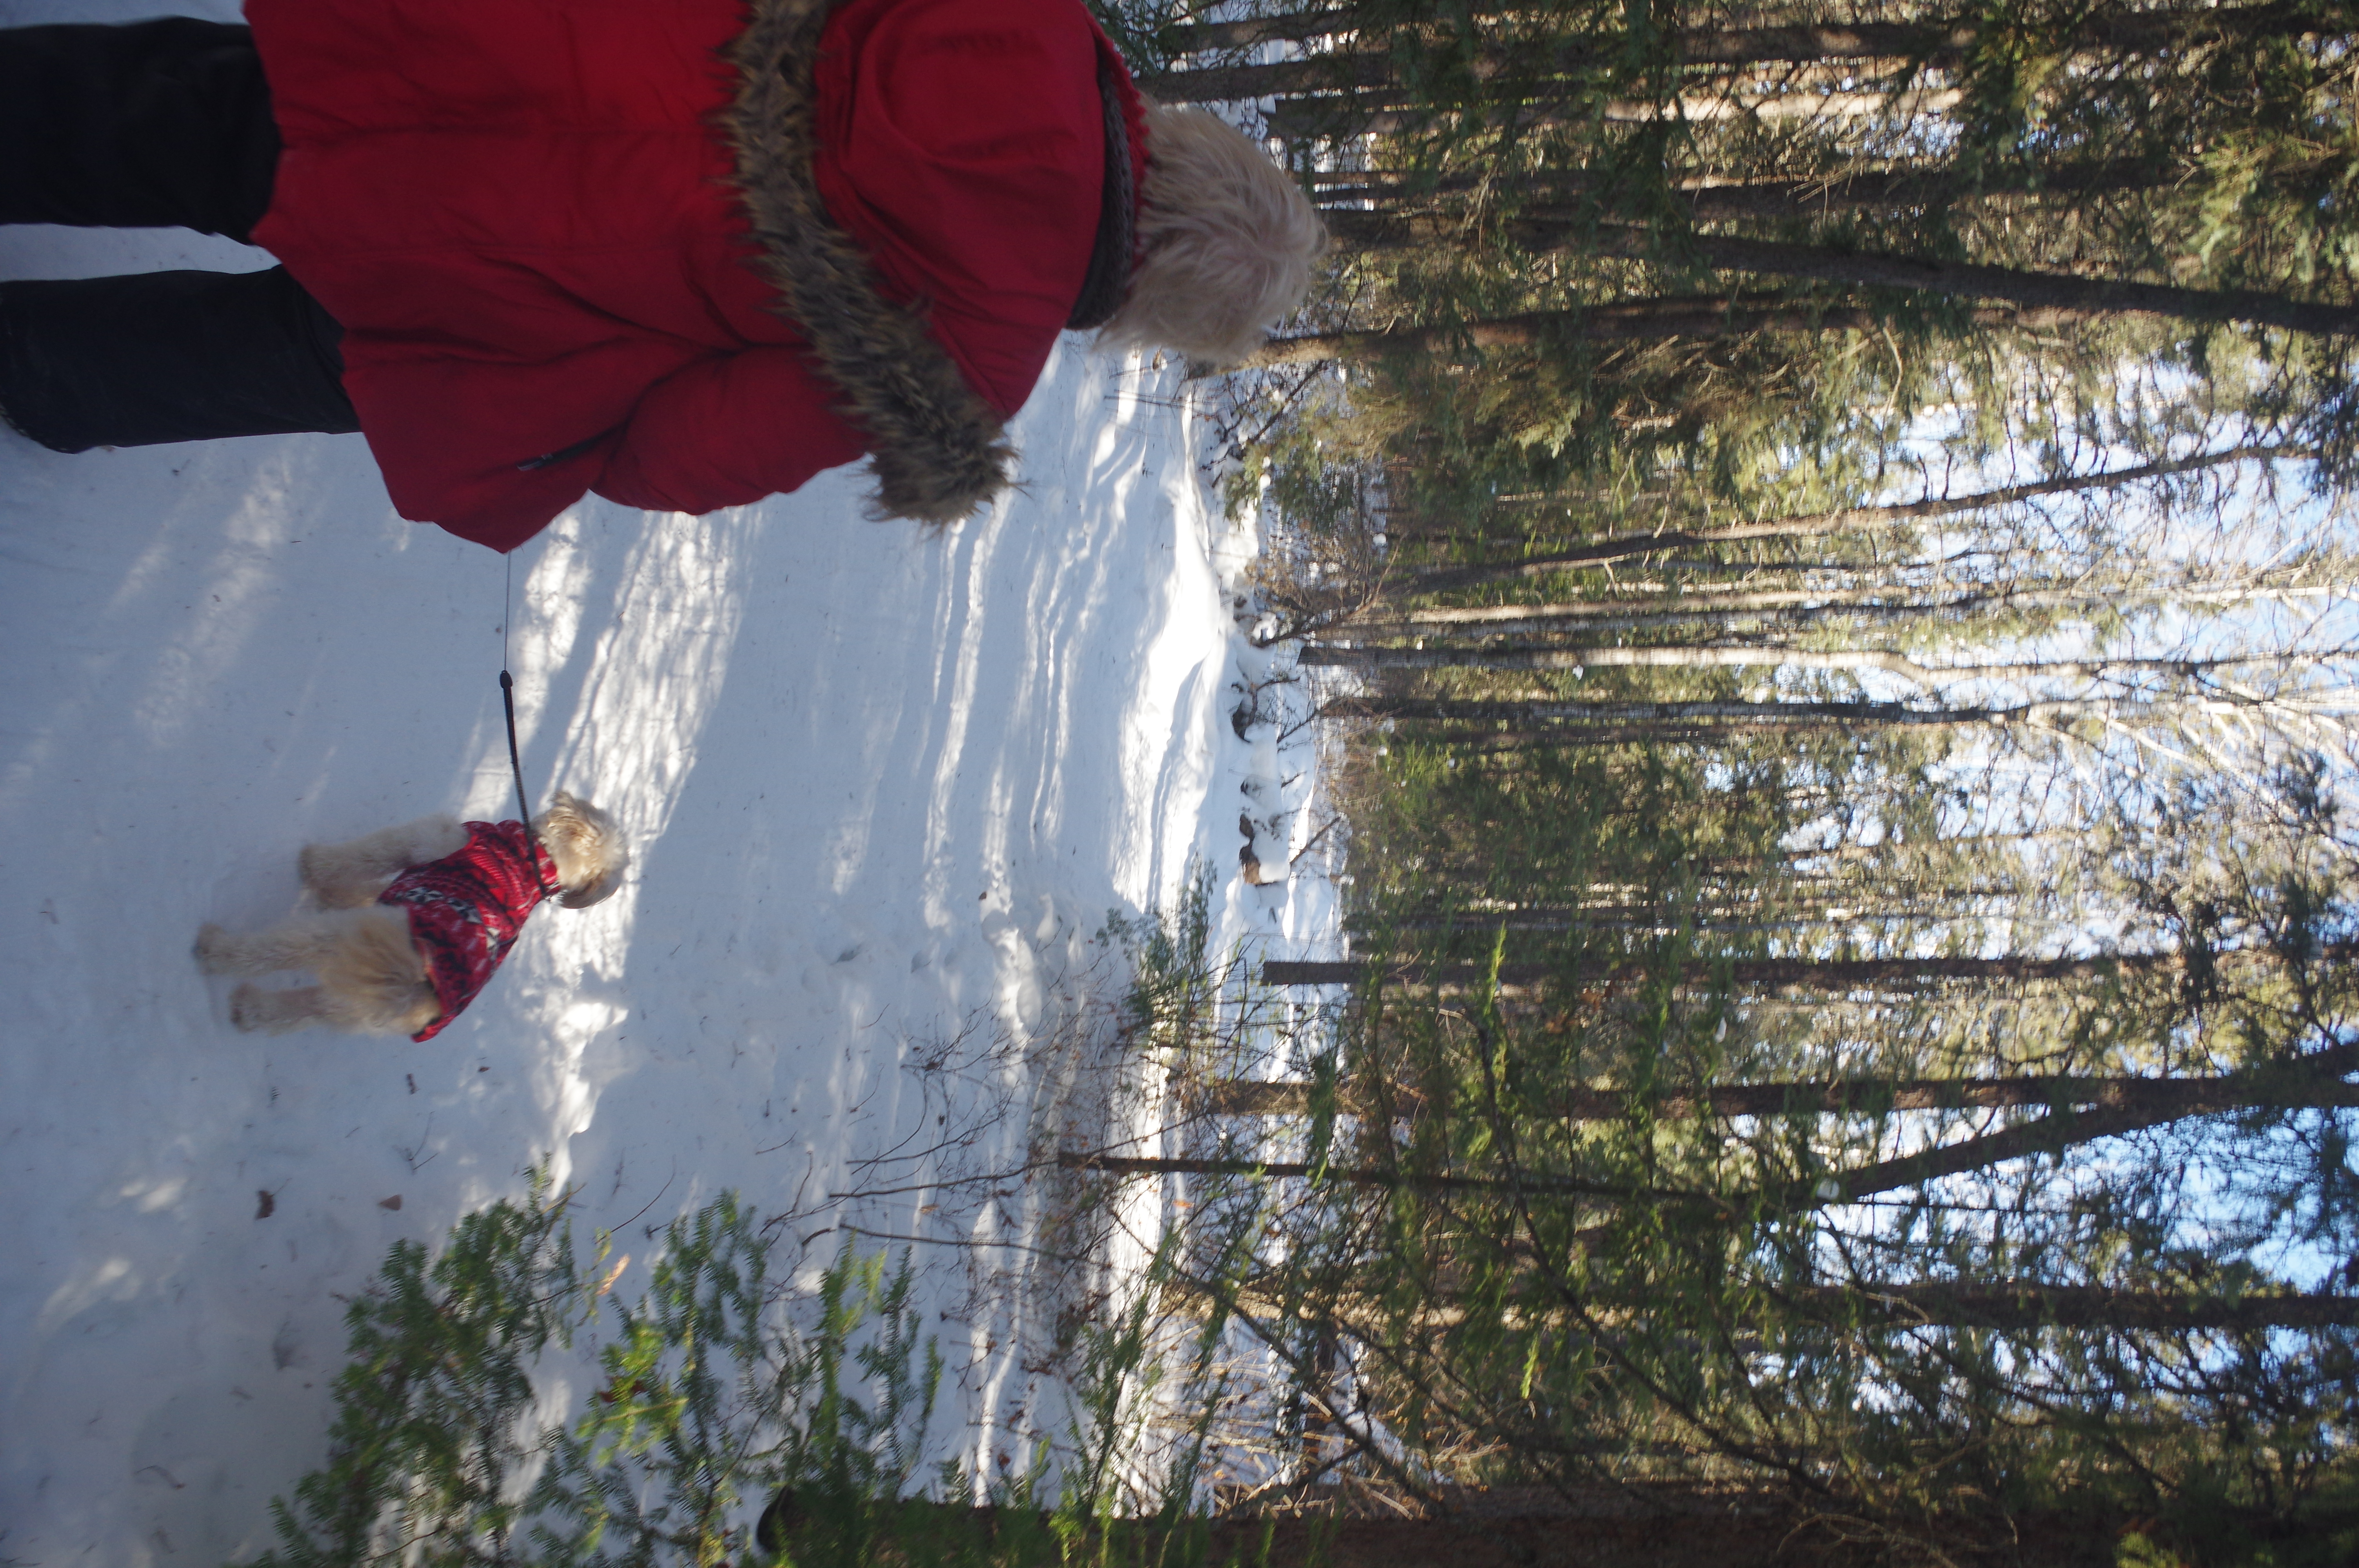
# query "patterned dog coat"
(467, 909)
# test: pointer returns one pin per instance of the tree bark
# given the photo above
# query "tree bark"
(1391, 111)
(2084, 296)
(1715, 201)
(1839, 1097)
(2285, 1083)
(1883, 603)
(1744, 656)
(1732, 1534)
(1849, 974)
(2024, 1307)
(1801, 197)
(1625, 320)
(1590, 737)
(2036, 301)
(1638, 718)
(1622, 1524)
(2081, 297)
(1350, 1175)
(1528, 68)
(1672, 656)
(1805, 974)
(1839, 520)
(2006, 1305)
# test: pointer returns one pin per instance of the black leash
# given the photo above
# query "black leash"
(508, 695)
(515, 766)
(508, 701)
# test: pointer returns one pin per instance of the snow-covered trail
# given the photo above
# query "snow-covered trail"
(878, 784)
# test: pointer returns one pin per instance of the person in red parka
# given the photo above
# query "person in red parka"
(682, 253)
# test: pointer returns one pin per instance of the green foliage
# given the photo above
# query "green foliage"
(723, 1396)
(1174, 977)
(432, 1437)
(1557, 158)
(711, 1402)
(708, 1402)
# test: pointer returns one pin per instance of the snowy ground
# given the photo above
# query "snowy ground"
(880, 787)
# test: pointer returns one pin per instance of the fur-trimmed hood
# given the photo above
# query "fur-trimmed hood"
(938, 450)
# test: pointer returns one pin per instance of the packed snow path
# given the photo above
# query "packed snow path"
(877, 784)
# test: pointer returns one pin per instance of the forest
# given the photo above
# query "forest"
(1819, 537)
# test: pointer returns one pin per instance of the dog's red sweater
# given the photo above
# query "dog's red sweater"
(466, 910)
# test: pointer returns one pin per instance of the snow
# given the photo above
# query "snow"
(879, 785)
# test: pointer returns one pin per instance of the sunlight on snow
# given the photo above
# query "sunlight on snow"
(961, 617)
(629, 742)
(239, 579)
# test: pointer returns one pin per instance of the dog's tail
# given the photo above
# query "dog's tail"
(374, 981)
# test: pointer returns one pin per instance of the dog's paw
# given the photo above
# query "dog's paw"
(249, 1009)
(212, 949)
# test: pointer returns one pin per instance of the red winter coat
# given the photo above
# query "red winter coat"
(521, 212)
(467, 909)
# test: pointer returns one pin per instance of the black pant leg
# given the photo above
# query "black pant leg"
(156, 124)
(168, 356)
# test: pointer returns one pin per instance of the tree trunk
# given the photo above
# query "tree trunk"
(1818, 525)
(1590, 736)
(1389, 112)
(2024, 1307)
(1756, 655)
(1625, 320)
(1736, 918)
(1799, 607)
(1617, 1524)
(1358, 1176)
(1674, 656)
(2285, 1083)
(1733, 1533)
(1999, 1305)
(2038, 301)
(2040, 290)
(1724, 196)
(1804, 197)
(1798, 973)
(2083, 297)
(1801, 974)
(1527, 66)
(1839, 1097)
(1636, 719)
(2018, 1306)
(2277, 1084)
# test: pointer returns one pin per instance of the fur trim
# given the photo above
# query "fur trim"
(937, 450)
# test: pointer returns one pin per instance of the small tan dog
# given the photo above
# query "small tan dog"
(414, 920)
